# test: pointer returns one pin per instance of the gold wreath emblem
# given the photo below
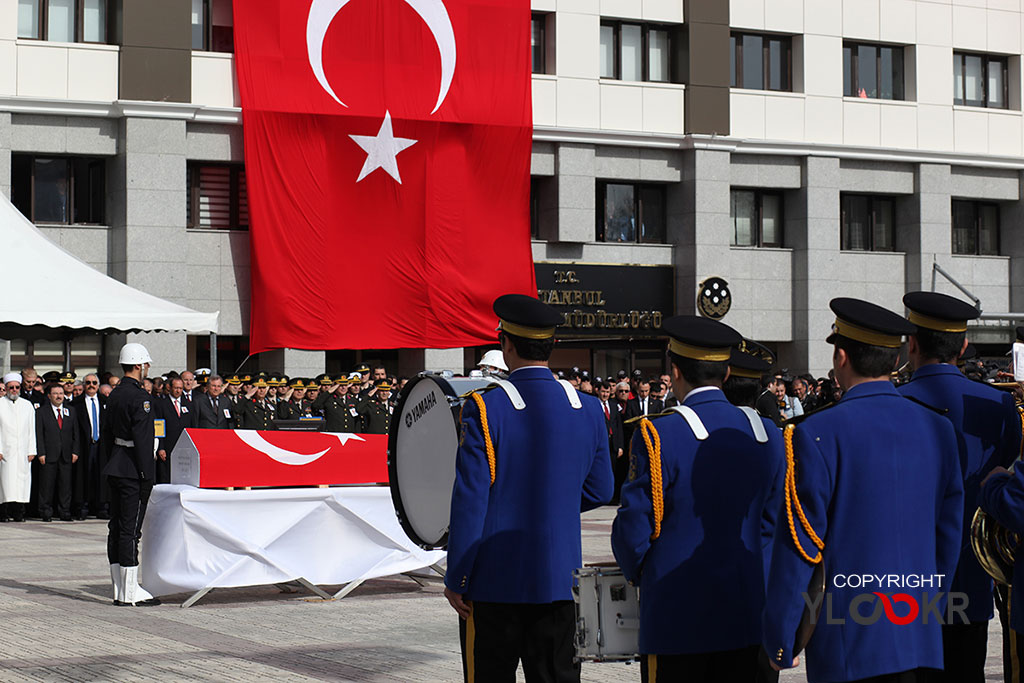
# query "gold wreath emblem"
(714, 298)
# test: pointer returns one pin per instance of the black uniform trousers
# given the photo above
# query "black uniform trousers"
(85, 478)
(964, 648)
(128, 500)
(498, 635)
(743, 665)
(55, 474)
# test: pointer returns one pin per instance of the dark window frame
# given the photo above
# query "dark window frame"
(645, 50)
(855, 85)
(208, 37)
(976, 205)
(534, 208)
(85, 163)
(43, 9)
(987, 60)
(539, 66)
(759, 195)
(736, 75)
(638, 210)
(234, 196)
(873, 201)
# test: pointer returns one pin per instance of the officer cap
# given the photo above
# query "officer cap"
(355, 378)
(234, 379)
(868, 323)
(260, 381)
(202, 372)
(66, 377)
(699, 338)
(621, 374)
(362, 368)
(747, 366)
(1020, 333)
(383, 385)
(323, 380)
(202, 380)
(525, 316)
(939, 312)
(297, 383)
(51, 376)
(246, 378)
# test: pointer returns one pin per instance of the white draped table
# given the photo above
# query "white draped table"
(199, 539)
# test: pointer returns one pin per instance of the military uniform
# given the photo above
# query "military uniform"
(696, 520)
(877, 477)
(514, 539)
(258, 414)
(988, 435)
(339, 415)
(375, 416)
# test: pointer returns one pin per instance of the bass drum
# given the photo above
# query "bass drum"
(422, 446)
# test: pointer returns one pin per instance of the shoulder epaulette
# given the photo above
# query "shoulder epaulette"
(940, 411)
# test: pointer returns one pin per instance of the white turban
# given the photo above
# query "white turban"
(12, 377)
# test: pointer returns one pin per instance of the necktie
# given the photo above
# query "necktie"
(95, 420)
(607, 413)
(177, 407)
(213, 400)
(60, 420)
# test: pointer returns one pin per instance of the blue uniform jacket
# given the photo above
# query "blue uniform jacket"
(702, 580)
(878, 477)
(519, 540)
(987, 434)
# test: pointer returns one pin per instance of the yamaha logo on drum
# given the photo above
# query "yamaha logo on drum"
(420, 409)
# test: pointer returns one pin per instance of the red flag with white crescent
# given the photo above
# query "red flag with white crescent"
(387, 151)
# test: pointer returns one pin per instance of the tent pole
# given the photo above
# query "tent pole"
(213, 353)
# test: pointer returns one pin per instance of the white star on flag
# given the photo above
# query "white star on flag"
(382, 150)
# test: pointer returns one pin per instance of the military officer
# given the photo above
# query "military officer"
(232, 386)
(988, 434)
(130, 472)
(339, 415)
(704, 485)
(873, 489)
(293, 404)
(531, 457)
(257, 412)
(375, 411)
(355, 387)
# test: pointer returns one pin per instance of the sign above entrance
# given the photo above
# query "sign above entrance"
(624, 301)
(714, 298)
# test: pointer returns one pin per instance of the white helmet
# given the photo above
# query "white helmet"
(494, 358)
(134, 354)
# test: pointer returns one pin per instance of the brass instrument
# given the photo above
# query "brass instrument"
(994, 545)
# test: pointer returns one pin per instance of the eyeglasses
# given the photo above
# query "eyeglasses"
(13, 387)
(622, 391)
(89, 382)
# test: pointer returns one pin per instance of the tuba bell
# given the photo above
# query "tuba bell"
(994, 545)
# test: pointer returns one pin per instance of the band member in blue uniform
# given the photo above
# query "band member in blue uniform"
(698, 511)
(988, 434)
(873, 489)
(533, 454)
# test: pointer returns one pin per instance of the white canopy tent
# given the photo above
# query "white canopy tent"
(37, 305)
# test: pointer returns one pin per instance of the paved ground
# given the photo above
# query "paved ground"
(57, 624)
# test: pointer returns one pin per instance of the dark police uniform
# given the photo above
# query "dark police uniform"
(700, 564)
(131, 469)
(987, 434)
(878, 478)
(514, 541)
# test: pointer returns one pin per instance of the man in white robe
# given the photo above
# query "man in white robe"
(17, 449)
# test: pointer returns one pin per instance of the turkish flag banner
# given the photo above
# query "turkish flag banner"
(387, 158)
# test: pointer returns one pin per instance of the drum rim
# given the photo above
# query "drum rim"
(393, 485)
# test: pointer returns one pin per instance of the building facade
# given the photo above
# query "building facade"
(796, 150)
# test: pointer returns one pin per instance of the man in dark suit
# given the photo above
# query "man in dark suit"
(616, 435)
(643, 404)
(88, 489)
(214, 410)
(177, 414)
(57, 448)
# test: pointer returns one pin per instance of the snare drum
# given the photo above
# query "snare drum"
(422, 447)
(607, 616)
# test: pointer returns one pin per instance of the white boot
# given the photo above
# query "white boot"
(131, 592)
(115, 578)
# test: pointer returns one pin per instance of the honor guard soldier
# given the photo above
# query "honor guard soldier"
(257, 411)
(744, 383)
(532, 455)
(873, 489)
(704, 487)
(376, 410)
(130, 472)
(339, 415)
(987, 435)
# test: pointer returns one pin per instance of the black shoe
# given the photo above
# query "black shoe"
(80, 518)
(45, 519)
(66, 518)
(152, 602)
(4, 520)
(19, 519)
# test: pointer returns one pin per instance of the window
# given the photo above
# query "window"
(873, 71)
(65, 21)
(631, 213)
(980, 81)
(868, 223)
(217, 197)
(68, 190)
(756, 218)
(534, 208)
(636, 52)
(538, 44)
(975, 228)
(761, 62)
(212, 22)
